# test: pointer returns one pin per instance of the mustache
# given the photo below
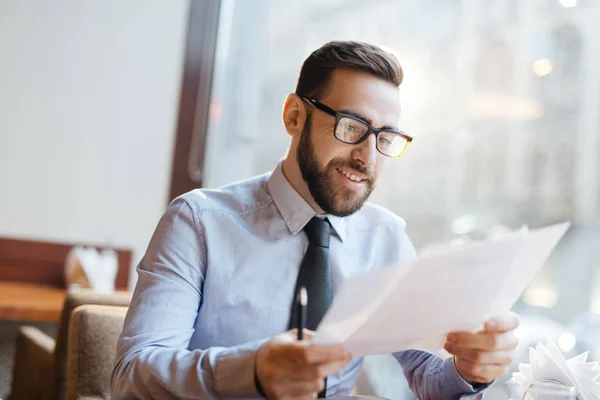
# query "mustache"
(339, 163)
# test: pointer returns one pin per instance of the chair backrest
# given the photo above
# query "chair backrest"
(93, 335)
(74, 299)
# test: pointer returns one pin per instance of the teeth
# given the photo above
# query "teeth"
(352, 177)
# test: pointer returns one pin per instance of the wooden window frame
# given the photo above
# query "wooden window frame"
(194, 103)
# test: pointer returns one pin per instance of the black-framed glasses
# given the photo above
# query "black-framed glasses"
(353, 130)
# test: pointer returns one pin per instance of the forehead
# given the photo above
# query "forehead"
(365, 94)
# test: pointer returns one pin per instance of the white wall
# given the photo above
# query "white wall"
(88, 108)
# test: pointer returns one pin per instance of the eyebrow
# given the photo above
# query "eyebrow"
(368, 120)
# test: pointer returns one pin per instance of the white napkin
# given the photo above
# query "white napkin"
(547, 363)
(89, 268)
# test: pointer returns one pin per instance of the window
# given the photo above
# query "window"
(522, 119)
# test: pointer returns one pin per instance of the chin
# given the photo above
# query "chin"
(347, 205)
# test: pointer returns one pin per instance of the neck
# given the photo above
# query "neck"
(292, 173)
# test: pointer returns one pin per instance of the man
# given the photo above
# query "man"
(216, 286)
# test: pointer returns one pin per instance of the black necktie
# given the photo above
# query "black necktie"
(315, 276)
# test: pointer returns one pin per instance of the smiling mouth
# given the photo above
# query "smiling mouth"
(350, 176)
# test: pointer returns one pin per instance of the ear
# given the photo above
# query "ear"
(294, 115)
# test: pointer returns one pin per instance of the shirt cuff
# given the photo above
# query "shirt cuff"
(468, 390)
(234, 372)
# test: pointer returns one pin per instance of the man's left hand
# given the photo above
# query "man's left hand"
(483, 356)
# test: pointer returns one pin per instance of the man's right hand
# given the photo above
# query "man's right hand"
(292, 369)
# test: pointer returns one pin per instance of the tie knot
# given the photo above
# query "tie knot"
(318, 231)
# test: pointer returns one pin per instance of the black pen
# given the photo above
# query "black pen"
(301, 302)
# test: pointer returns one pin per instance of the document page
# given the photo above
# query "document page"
(454, 288)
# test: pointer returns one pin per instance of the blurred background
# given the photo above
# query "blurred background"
(110, 109)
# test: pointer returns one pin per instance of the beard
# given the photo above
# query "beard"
(324, 186)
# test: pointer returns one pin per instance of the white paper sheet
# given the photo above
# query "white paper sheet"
(452, 289)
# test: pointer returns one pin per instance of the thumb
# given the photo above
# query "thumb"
(293, 334)
(308, 334)
(502, 323)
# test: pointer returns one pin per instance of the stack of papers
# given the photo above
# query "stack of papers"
(454, 288)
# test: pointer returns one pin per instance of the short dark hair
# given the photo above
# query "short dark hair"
(318, 67)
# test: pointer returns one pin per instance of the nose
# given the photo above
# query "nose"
(366, 152)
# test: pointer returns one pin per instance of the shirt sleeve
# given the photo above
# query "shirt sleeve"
(153, 360)
(430, 377)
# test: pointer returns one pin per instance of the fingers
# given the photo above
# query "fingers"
(309, 353)
(502, 323)
(316, 371)
(335, 366)
(300, 379)
(485, 355)
(483, 340)
(320, 360)
(480, 373)
(502, 357)
(292, 369)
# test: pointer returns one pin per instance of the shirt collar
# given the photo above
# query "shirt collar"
(296, 212)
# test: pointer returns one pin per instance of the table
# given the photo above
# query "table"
(30, 302)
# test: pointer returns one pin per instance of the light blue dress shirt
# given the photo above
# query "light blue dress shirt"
(217, 281)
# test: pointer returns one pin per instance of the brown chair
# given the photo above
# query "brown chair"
(93, 336)
(39, 370)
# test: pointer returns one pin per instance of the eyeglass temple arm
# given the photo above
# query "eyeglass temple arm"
(319, 106)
